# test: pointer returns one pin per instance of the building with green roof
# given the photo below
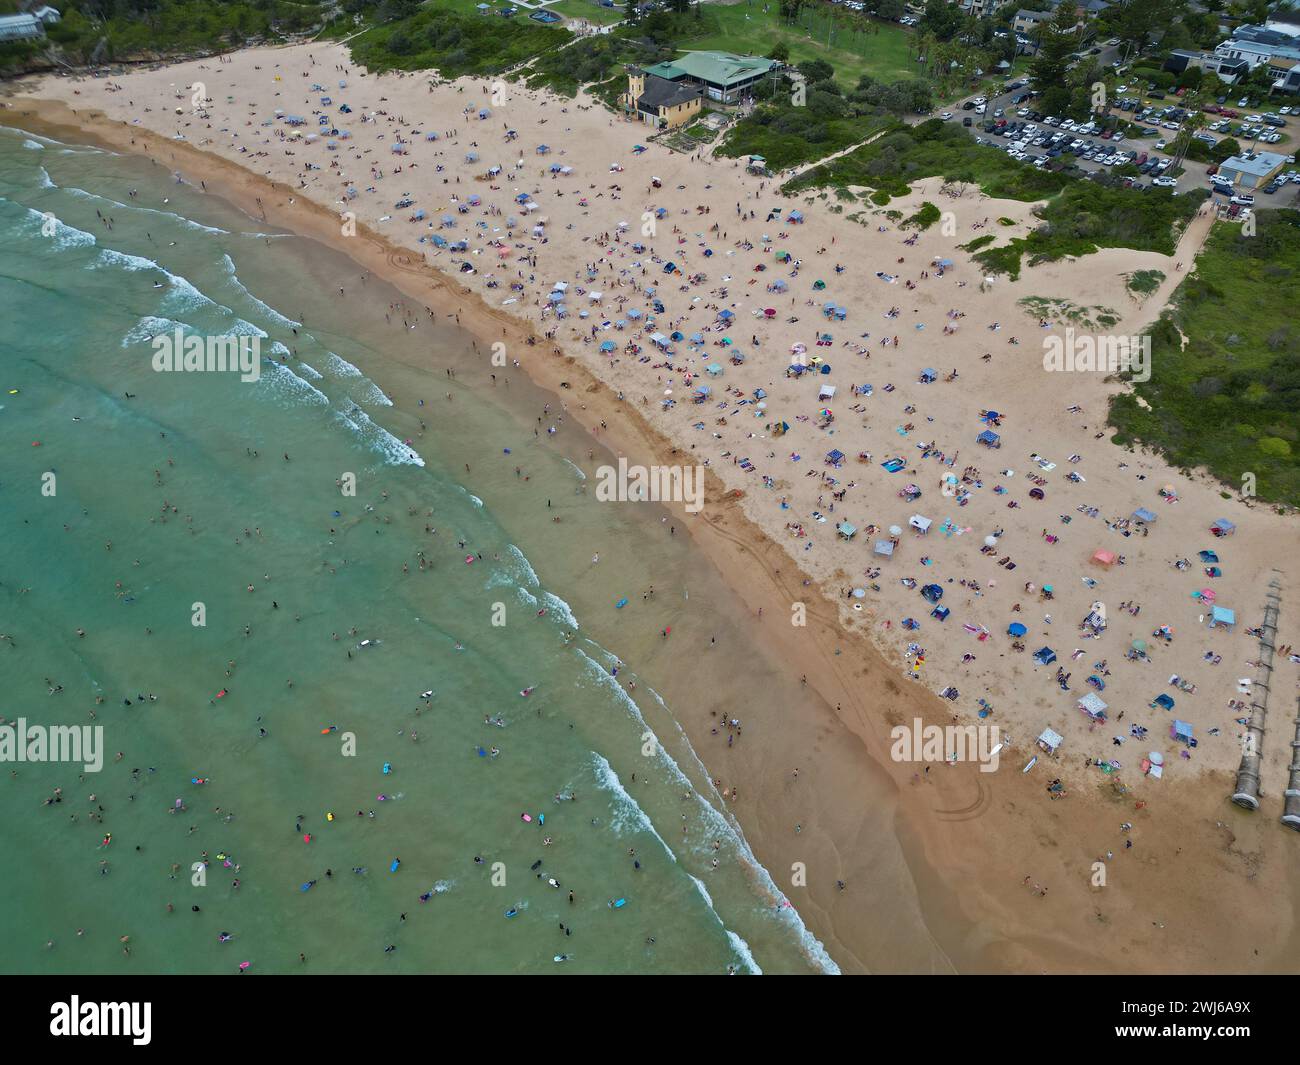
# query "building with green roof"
(721, 76)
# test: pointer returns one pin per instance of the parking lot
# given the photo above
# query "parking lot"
(1009, 122)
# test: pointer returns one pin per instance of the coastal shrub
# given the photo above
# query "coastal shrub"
(454, 44)
(924, 218)
(1229, 400)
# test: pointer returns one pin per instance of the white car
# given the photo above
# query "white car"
(979, 109)
(1165, 182)
(946, 115)
(1160, 145)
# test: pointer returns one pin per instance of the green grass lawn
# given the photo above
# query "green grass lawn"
(747, 28)
(589, 10)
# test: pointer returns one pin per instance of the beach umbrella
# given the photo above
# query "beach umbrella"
(1140, 646)
(1016, 629)
(894, 530)
(990, 541)
(608, 345)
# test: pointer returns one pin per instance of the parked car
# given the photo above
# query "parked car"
(1243, 200)
(966, 121)
(1165, 182)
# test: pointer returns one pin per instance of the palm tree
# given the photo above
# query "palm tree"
(1193, 122)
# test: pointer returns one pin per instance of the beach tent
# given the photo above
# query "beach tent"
(725, 315)
(826, 392)
(932, 593)
(1144, 515)
(940, 612)
(1049, 740)
(713, 369)
(835, 457)
(1207, 556)
(1165, 702)
(542, 149)
(1222, 616)
(608, 345)
(1139, 647)
(929, 375)
(1044, 656)
(1103, 557)
(1093, 705)
(884, 548)
(1016, 629)
(778, 286)
(920, 523)
(988, 438)
(795, 217)
(1223, 527)
(1182, 732)
(846, 530)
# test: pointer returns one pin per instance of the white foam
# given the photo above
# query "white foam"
(628, 815)
(530, 574)
(189, 223)
(33, 146)
(721, 825)
(149, 327)
(64, 236)
(379, 439)
(560, 609)
(576, 469)
(266, 308)
(281, 380)
(46, 181)
(742, 948)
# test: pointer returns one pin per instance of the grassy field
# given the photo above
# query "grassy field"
(589, 10)
(753, 27)
(1230, 400)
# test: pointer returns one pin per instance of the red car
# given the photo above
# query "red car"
(1141, 159)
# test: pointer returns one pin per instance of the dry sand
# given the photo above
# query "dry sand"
(1205, 887)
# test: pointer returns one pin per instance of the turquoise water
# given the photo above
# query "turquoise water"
(171, 490)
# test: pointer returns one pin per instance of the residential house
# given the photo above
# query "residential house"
(659, 102)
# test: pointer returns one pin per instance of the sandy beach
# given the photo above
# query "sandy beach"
(1004, 872)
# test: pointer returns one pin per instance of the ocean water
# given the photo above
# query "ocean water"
(139, 507)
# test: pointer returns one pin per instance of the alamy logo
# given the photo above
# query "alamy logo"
(103, 1018)
(1104, 352)
(947, 743)
(21, 742)
(176, 353)
(659, 484)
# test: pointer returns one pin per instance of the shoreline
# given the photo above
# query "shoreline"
(964, 884)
